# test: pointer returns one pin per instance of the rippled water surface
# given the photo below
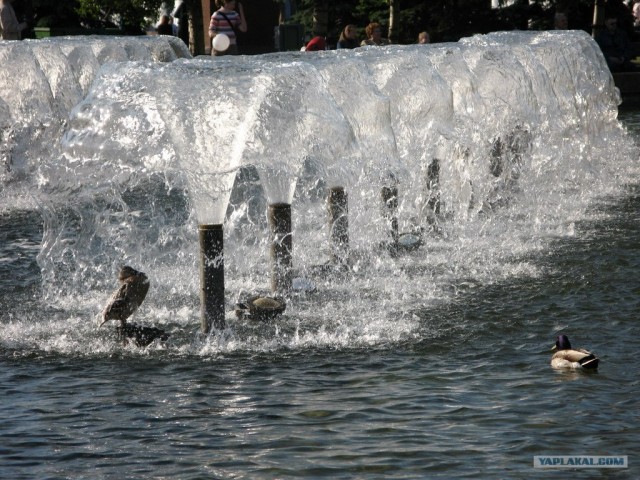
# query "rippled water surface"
(472, 396)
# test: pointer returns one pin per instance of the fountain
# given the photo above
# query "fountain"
(133, 152)
(446, 209)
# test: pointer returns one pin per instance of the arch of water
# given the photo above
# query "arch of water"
(152, 144)
(42, 80)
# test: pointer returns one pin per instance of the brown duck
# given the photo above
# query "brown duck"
(133, 289)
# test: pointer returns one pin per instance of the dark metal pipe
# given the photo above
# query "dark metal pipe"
(390, 210)
(339, 225)
(281, 247)
(211, 277)
(433, 185)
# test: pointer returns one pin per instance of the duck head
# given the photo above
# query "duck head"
(562, 343)
(128, 272)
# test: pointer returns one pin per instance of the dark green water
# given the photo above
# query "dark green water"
(476, 400)
(472, 397)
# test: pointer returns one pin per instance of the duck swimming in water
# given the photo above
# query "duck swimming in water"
(133, 289)
(566, 357)
(261, 308)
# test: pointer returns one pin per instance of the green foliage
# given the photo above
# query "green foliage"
(48, 13)
(373, 11)
(340, 14)
(132, 14)
(447, 20)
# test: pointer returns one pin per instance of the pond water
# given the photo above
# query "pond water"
(434, 364)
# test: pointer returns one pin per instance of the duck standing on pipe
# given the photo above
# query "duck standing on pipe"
(133, 289)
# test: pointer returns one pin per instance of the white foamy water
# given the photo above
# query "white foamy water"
(43, 80)
(522, 126)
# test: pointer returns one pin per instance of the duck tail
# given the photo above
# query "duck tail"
(590, 361)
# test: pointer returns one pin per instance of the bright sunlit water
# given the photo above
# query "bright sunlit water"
(431, 364)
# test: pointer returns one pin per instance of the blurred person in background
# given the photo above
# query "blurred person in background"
(348, 37)
(374, 36)
(10, 28)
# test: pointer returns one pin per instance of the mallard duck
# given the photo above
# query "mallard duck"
(133, 289)
(261, 308)
(140, 335)
(566, 357)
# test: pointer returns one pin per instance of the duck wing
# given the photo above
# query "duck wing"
(116, 308)
(574, 359)
(589, 361)
(573, 355)
(125, 301)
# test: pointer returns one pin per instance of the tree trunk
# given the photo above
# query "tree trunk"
(394, 18)
(196, 26)
(598, 17)
(281, 14)
(27, 13)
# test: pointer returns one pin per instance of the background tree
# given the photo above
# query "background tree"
(47, 13)
(196, 26)
(394, 18)
(445, 20)
(320, 17)
(131, 15)
(134, 16)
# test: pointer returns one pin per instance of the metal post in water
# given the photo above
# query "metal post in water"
(211, 277)
(390, 210)
(433, 185)
(339, 225)
(281, 247)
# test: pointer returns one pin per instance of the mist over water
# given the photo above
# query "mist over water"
(432, 363)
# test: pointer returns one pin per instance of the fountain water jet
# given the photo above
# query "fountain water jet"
(149, 132)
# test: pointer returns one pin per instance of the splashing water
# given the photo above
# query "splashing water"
(124, 148)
